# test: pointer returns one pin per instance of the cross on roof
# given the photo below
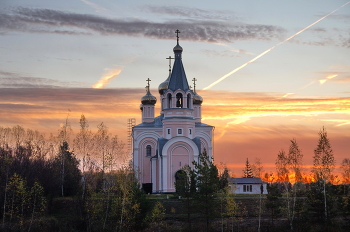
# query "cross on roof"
(170, 58)
(148, 80)
(177, 35)
(194, 83)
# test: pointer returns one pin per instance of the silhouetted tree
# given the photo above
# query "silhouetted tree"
(345, 167)
(247, 171)
(207, 180)
(67, 167)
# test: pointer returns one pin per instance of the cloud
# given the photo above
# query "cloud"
(16, 80)
(226, 53)
(190, 12)
(105, 79)
(52, 21)
(345, 79)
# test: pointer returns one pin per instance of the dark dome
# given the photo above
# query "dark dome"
(197, 100)
(177, 48)
(163, 86)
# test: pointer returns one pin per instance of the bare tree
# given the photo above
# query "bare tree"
(101, 141)
(257, 168)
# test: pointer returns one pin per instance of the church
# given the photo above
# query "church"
(164, 144)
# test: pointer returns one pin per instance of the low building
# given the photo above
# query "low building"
(251, 185)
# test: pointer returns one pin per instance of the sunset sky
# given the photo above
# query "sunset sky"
(292, 62)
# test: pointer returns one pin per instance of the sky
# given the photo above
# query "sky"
(288, 66)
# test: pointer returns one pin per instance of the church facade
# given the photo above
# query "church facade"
(164, 144)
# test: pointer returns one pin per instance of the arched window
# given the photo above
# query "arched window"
(169, 100)
(148, 150)
(179, 102)
(188, 100)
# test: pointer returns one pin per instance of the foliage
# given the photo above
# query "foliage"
(273, 202)
(119, 204)
(315, 201)
(157, 216)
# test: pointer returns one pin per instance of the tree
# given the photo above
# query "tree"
(227, 206)
(185, 186)
(295, 157)
(37, 201)
(16, 201)
(282, 166)
(247, 171)
(345, 167)
(5, 163)
(157, 216)
(324, 162)
(287, 164)
(257, 168)
(83, 145)
(101, 141)
(207, 186)
(273, 202)
(223, 179)
(67, 167)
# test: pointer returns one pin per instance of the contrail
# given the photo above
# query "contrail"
(106, 79)
(268, 50)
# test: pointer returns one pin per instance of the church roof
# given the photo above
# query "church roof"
(157, 122)
(178, 79)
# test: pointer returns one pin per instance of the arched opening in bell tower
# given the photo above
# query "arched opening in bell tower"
(179, 100)
(169, 100)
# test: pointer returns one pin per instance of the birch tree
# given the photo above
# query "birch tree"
(324, 163)
(295, 157)
(83, 144)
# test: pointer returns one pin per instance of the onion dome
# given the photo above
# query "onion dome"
(148, 99)
(197, 100)
(163, 86)
(177, 48)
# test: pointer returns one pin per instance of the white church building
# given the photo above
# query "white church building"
(164, 144)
